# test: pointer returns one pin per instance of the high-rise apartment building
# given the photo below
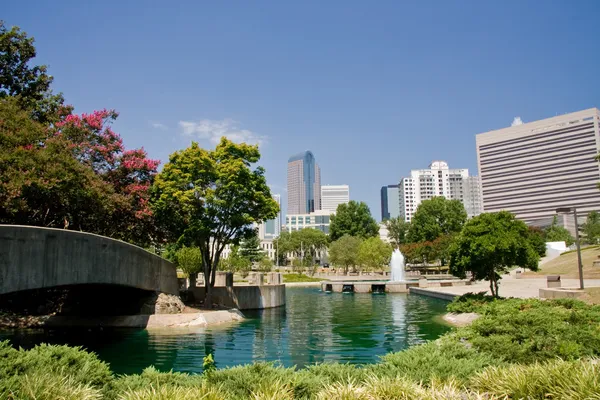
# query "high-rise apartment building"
(532, 169)
(334, 195)
(472, 196)
(303, 184)
(390, 202)
(437, 181)
(270, 229)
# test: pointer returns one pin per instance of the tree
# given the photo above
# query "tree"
(283, 245)
(373, 254)
(353, 219)
(436, 217)
(556, 233)
(250, 248)
(236, 263)
(30, 85)
(265, 264)
(344, 252)
(189, 260)
(397, 230)
(211, 198)
(536, 237)
(441, 248)
(489, 244)
(308, 243)
(591, 228)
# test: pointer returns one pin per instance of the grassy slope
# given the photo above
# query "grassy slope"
(566, 265)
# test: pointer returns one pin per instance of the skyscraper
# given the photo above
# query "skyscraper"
(304, 184)
(334, 195)
(270, 229)
(438, 181)
(390, 202)
(531, 169)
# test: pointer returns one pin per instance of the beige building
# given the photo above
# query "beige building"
(334, 195)
(533, 168)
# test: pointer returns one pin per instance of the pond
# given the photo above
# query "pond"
(313, 327)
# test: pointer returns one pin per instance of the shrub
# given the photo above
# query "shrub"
(166, 392)
(555, 379)
(470, 302)
(444, 359)
(153, 377)
(47, 386)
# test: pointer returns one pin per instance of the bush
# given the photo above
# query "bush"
(555, 379)
(470, 302)
(47, 386)
(441, 360)
(151, 377)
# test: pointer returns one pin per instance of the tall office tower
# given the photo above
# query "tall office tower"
(390, 202)
(531, 169)
(334, 195)
(271, 228)
(304, 184)
(472, 196)
(436, 181)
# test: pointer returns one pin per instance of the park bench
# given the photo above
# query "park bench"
(553, 281)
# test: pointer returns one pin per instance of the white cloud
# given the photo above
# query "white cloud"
(213, 130)
(158, 125)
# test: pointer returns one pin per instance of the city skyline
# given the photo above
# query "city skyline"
(398, 97)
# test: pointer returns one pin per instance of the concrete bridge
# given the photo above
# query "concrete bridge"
(36, 258)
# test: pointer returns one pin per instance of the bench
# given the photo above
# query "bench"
(553, 281)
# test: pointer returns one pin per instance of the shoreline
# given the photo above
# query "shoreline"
(302, 284)
(154, 321)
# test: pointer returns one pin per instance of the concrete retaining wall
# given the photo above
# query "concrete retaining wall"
(560, 293)
(34, 258)
(431, 293)
(246, 297)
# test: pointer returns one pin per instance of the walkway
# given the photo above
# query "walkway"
(509, 286)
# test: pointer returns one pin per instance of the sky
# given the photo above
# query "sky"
(373, 89)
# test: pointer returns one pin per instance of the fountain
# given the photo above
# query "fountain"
(397, 266)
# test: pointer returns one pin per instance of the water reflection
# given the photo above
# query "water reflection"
(313, 327)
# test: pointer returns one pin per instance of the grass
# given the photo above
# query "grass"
(287, 278)
(566, 265)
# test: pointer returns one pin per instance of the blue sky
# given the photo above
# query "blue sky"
(374, 89)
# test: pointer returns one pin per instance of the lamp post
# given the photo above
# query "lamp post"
(574, 210)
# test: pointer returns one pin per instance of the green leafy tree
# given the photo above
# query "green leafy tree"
(397, 230)
(30, 85)
(591, 228)
(489, 245)
(556, 233)
(436, 217)
(536, 237)
(189, 260)
(265, 264)
(309, 243)
(441, 248)
(250, 248)
(344, 252)
(211, 198)
(353, 219)
(284, 246)
(236, 263)
(374, 254)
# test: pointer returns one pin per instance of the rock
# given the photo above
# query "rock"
(462, 319)
(162, 303)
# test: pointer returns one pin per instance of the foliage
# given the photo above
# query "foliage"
(436, 217)
(470, 302)
(44, 386)
(397, 230)
(525, 331)
(591, 228)
(250, 248)
(537, 240)
(189, 260)
(211, 198)
(555, 379)
(265, 264)
(374, 254)
(208, 364)
(305, 244)
(353, 219)
(236, 263)
(299, 278)
(152, 376)
(29, 85)
(428, 252)
(443, 360)
(556, 233)
(344, 252)
(491, 243)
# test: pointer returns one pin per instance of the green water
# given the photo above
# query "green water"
(312, 327)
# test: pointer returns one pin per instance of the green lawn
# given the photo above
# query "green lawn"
(299, 278)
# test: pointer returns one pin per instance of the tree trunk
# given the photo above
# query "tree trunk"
(207, 288)
(193, 278)
(491, 278)
(496, 284)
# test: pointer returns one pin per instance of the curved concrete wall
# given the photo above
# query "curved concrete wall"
(34, 258)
